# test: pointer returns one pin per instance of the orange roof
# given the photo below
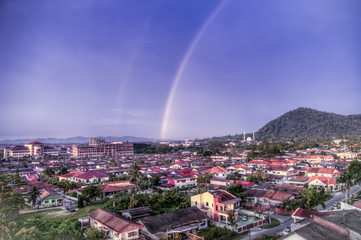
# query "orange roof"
(215, 170)
(71, 174)
(239, 166)
(329, 171)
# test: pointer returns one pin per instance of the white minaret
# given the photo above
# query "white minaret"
(244, 135)
(253, 137)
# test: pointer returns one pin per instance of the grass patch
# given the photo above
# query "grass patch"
(46, 214)
(219, 233)
(274, 223)
(40, 214)
(285, 214)
(26, 207)
(81, 212)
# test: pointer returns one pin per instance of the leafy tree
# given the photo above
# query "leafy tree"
(80, 201)
(33, 195)
(93, 233)
(135, 173)
(112, 163)
(204, 179)
(251, 178)
(313, 198)
(90, 193)
(350, 177)
(236, 190)
(63, 171)
(10, 203)
(48, 172)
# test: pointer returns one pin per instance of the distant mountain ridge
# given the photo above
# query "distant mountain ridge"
(77, 140)
(310, 123)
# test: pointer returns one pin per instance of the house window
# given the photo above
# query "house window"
(196, 203)
(46, 201)
(207, 204)
(216, 208)
(132, 234)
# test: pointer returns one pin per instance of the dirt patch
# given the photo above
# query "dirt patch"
(57, 214)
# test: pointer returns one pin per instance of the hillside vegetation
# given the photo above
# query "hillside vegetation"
(309, 123)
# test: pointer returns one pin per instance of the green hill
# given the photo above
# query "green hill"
(309, 123)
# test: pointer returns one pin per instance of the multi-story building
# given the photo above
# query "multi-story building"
(102, 149)
(95, 141)
(31, 149)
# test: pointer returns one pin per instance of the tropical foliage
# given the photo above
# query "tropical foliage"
(160, 202)
(350, 177)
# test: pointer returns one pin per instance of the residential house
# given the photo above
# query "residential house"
(183, 221)
(109, 189)
(335, 225)
(49, 199)
(217, 172)
(180, 182)
(245, 184)
(88, 177)
(217, 204)
(113, 226)
(323, 182)
(221, 181)
(298, 181)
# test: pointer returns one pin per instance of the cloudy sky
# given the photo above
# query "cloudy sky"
(173, 69)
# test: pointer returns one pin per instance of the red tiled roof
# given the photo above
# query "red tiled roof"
(325, 180)
(304, 213)
(32, 177)
(34, 142)
(244, 183)
(281, 196)
(113, 222)
(71, 174)
(329, 171)
(225, 196)
(186, 172)
(269, 194)
(20, 148)
(91, 174)
(357, 204)
(313, 170)
(239, 166)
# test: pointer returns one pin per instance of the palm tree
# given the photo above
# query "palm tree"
(346, 179)
(33, 196)
(135, 173)
(133, 201)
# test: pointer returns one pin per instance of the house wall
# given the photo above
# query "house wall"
(129, 235)
(204, 199)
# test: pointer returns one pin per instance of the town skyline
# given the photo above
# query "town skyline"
(173, 70)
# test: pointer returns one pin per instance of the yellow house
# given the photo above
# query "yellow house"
(217, 205)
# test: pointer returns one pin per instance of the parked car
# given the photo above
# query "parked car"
(335, 204)
(244, 217)
(70, 208)
(287, 230)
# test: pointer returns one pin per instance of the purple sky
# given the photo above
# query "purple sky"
(105, 68)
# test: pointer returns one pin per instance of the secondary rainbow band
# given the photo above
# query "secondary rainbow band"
(184, 63)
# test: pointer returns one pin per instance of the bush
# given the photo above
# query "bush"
(216, 233)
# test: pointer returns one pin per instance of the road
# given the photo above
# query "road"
(286, 221)
(259, 232)
(337, 197)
